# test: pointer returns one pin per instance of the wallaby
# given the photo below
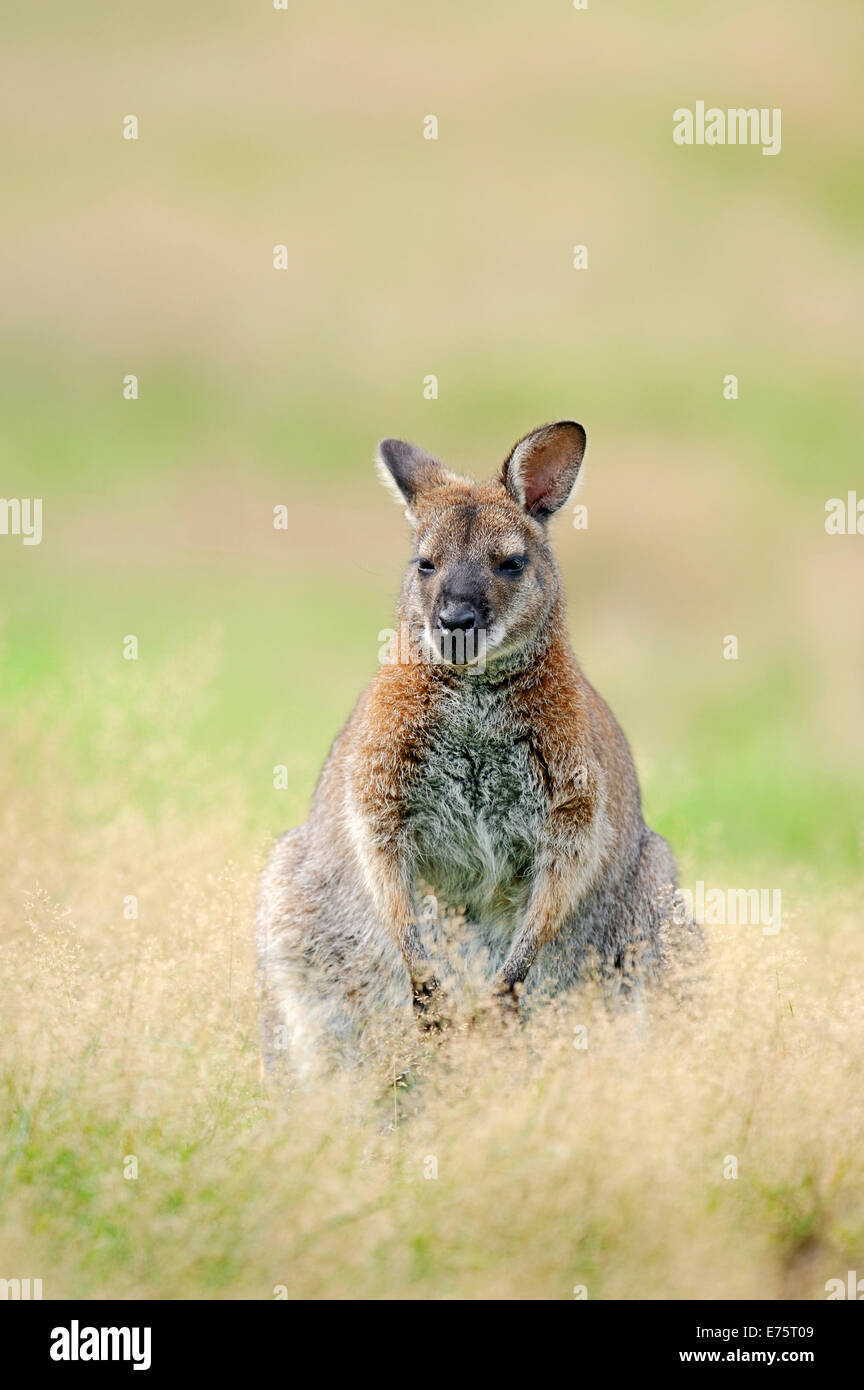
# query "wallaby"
(480, 773)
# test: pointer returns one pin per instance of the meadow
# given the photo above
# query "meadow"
(141, 1155)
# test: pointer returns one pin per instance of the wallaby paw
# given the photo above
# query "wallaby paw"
(499, 1008)
(428, 1011)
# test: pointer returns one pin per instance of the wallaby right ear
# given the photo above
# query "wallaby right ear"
(407, 471)
(542, 469)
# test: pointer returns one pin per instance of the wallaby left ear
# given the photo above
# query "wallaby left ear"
(542, 469)
(407, 472)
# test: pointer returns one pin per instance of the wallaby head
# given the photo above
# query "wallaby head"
(483, 565)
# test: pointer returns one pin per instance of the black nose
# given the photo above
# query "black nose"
(459, 617)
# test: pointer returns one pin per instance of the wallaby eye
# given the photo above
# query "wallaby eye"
(425, 566)
(514, 564)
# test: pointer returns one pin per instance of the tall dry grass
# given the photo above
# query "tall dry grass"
(488, 1165)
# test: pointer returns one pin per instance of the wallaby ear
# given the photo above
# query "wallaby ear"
(542, 468)
(408, 471)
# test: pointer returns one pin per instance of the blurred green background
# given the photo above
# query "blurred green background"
(409, 257)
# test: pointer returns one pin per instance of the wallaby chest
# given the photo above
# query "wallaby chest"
(478, 805)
